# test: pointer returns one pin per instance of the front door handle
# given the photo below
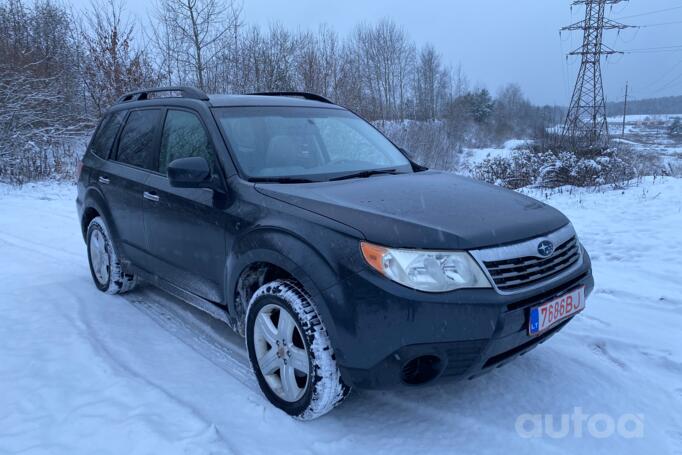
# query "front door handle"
(151, 196)
(104, 180)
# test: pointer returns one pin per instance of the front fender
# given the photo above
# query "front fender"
(314, 269)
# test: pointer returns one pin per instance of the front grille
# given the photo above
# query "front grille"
(515, 273)
(547, 295)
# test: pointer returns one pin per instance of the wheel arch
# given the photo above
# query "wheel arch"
(94, 204)
(267, 254)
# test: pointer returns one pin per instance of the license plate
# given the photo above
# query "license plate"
(548, 314)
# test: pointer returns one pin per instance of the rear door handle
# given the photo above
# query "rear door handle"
(104, 180)
(150, 196)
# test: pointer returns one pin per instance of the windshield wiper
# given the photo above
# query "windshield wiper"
(365, 174)
(280, 180)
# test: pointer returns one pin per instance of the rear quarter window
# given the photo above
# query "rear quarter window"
(106, 134)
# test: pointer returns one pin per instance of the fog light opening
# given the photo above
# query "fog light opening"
(421, 370)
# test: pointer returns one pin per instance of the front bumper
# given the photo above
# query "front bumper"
(379, 327)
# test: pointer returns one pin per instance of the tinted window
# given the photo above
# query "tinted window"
(344, 141)
(306, 142)
(106, 133)
(184, 136)
(136, 146)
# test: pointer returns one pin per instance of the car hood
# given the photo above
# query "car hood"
(431, 210)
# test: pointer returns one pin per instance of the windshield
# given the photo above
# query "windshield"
(306, 143)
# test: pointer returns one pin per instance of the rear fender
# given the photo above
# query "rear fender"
(94, 199)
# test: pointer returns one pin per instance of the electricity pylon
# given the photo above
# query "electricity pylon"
(586, 126)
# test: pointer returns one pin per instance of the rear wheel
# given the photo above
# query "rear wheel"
(290, 352)
(105, 265)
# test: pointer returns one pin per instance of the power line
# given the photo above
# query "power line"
(665, 76)
(650, 12)
(564, 63)
(663, 51)
(659, 24)
(664, 81)
(654, 50)
(669, 84)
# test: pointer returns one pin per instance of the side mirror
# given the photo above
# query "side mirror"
(192, 172)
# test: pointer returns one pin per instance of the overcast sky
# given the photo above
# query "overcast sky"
(501, 41)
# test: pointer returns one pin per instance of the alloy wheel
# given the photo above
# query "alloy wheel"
(281, 352)
(99, 257)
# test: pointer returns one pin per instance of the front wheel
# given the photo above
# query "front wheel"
(290, 352)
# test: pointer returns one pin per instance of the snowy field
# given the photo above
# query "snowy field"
(646, 134)
(83, 372)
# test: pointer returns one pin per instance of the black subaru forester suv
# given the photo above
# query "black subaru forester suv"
(343, 263)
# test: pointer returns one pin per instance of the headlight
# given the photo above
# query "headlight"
(429, 271)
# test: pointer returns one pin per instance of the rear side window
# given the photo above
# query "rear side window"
(136, 146)
(106, 133)
(184, 136)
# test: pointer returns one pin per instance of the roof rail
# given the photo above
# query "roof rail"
(185, 92)
(304, 95)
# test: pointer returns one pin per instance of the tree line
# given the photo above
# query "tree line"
(60, 69)
(647, 106)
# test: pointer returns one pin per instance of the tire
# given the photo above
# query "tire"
(322, 389)
(105, 264)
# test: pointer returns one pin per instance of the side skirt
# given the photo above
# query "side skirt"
(213, 309)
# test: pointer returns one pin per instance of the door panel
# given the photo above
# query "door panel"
(123, 179)
(123, 187)
(185, 231)
(185, 227)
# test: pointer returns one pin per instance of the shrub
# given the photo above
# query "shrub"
(551, 169)
(29, 161)
(675, 129)
(427, 142)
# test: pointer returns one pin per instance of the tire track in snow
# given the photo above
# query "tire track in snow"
(183, 322)
(599, 348)
(174, 316)
(210, 433)
(40, 249)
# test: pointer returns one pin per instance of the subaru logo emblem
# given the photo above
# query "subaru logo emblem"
(545, 248)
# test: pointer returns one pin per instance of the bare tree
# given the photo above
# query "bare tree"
(431, 84)
(165, 45)
(39, 112)
(384, 56)
(514, 115)
(57, 70)
(191, 34)
(112, 64)
(268, 61)
(319, 61)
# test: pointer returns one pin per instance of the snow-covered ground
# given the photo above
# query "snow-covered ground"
(83, 372)
(649, 134)
(638, 118)
(475, 156)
